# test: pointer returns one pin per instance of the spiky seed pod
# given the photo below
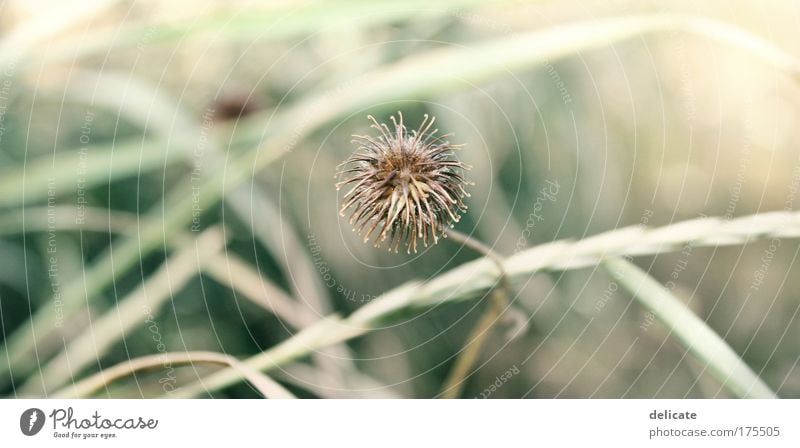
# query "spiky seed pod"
(409, 185)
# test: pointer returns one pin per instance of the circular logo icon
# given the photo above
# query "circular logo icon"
(31, 421)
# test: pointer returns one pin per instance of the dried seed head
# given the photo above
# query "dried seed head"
(407, 185)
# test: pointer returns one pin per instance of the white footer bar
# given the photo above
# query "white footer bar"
(401, 423)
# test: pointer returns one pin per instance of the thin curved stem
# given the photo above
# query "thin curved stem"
(479, 247)
(498, 302)
(467, 359)
(268, 387)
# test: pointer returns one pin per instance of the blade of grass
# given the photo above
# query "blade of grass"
(268, 387)
(325, 332)
(276, 23)
(469, 279)
(130, 312)
(94, 219)
(359, 384)
(236, 274)
(155, 231)
(269, 224)
(133, 100)
(37, 178)
(445, 70)
(700, 340)
(146, 106)
(50, 22)
(142, 103)
(437, 71)
(151, 109)
(735, 37)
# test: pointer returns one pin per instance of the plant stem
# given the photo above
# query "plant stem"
(698, 338)
(477, 340)
(268, 387)
(478, 275)
(498, 301)
(131, 311)
(240, 277)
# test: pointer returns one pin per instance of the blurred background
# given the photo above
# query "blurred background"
(130, 128)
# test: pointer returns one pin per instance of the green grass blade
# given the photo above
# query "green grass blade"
(130, 312)
(97, 165)
(21, 40)
(65, 217)
(708, 347)
(272, 24)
